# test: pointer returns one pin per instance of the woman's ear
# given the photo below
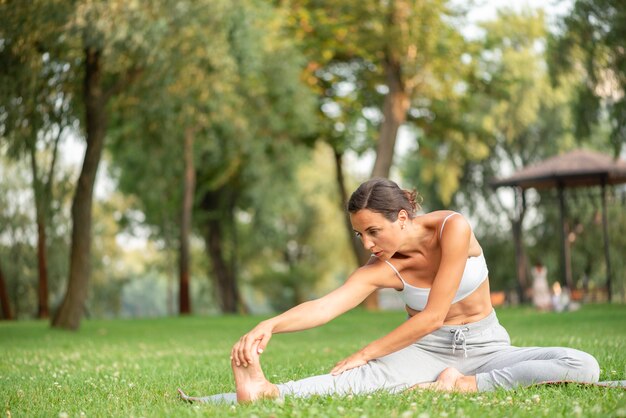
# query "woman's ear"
(403, 216)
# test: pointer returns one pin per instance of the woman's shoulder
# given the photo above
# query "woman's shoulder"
(438, 216)
(378, 272)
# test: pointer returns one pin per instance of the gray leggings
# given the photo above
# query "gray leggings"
(481, 348)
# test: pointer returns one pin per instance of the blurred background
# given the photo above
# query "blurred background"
(175, 156)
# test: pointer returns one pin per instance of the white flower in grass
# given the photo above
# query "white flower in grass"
(341, 409)
(443, 414)
(577, 410)
(423, 415)
(63, 415)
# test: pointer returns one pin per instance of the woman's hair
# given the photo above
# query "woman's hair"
(385, 197)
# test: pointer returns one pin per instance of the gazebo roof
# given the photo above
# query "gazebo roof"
(578, 168)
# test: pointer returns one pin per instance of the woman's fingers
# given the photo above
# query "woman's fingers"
(249, 346)
(265, 339)
(338, 369)
(242, 352)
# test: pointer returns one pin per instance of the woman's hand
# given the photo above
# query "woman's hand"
(256, 339)
(355, 360)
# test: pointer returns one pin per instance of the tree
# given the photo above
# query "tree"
(234, 87)
(36, 106)
(510, 117)
(112, 42)
(590, 44)
(373, 65)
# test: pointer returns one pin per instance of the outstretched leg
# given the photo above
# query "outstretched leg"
(392, 373)
(524, 366)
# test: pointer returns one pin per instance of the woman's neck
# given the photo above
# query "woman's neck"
(419, 236)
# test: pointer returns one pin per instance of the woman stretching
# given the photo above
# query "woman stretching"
(452, 339)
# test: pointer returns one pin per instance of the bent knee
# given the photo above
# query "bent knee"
(585, 365)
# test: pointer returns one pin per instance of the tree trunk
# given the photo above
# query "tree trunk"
(4, 298)
(185, 225)
(357, 248)
(225, 285)
(395, 109)
(520, 260)
(73, 306)
(42, 259)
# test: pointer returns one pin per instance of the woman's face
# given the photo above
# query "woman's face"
(379, 235)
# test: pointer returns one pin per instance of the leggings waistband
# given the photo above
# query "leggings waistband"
(478, 326)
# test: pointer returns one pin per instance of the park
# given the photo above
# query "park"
(174, 175)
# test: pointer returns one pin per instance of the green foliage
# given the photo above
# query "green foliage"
(257, 84)
(501, 121)
(133, 367)
(18, 237)
(293, 249)
(590, 45)
(348, 46)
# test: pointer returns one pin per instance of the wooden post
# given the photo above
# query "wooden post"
(566, 271)
(520, 254)
(605, 233)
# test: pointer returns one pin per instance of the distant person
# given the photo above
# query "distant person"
(562, 299)
(541, 291)
(452, 340)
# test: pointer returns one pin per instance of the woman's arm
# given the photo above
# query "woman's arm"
(310, 314)
(454, 251)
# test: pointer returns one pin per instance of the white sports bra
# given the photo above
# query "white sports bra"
(474, 275)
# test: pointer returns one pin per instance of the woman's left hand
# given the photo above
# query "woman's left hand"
(355, 360)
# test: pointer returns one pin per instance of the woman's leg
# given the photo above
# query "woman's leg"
(492, 362)
(519, 366)
(392, 373)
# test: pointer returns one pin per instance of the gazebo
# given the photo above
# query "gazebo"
(578, 168)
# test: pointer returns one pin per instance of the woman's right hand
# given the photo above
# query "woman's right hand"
(242, 352)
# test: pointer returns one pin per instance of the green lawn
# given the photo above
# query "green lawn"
(133, 367)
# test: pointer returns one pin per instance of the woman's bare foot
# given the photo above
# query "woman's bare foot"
(451, 380)
(251, 382)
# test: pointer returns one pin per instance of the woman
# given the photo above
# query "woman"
(452, 339)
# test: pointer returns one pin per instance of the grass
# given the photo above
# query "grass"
(133, 367)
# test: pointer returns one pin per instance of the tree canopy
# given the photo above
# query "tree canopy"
(227, 134)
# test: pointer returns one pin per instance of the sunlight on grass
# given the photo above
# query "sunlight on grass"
(133, 367)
